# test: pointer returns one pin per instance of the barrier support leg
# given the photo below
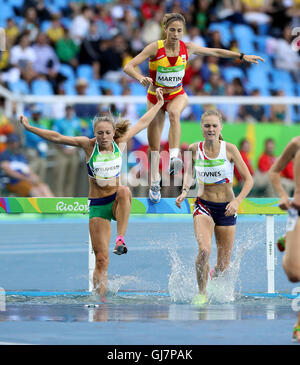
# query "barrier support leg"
(91, 265)
(270, 253)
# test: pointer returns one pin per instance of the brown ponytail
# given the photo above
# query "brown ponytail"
(172, 17)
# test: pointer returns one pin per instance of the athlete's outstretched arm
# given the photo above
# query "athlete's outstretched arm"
(53, 136)
(237, 159)
(188, 174)
(274, 173)
(219, 52)
(146, 119)
(130, 67)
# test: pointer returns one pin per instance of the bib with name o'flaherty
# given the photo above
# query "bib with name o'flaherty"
(105, 166)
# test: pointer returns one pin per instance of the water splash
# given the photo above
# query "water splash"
(222, 289)
(182, 284)
(115, 283)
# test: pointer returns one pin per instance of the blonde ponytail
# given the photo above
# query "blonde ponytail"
(120, 127)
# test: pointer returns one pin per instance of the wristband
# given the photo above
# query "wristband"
(242, 56)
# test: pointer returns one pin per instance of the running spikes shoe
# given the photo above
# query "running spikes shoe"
(199, 299)
(154, 193)
(176, 165)
(296, 330)
(281, 243)
(120, 248)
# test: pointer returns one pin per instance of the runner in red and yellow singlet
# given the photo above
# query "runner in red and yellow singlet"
(167, 62)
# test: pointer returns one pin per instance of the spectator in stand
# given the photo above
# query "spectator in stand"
(201, 15)
(30, 23)
(194, 68)
(215, 86)
(11, 30)
(193, 35)
(244, 148)
(278, 111)
(46, 61)
(22, 181)
(84, 110)
(22, 58)
(210, 66)
(255, 11)
(5, 67)
(195, 86)
(230, 10)
(89, 50)
(215, 41)
(58, 109)
(136, 42)
(41, 9)
(36, 147)
(238, 87)
(253, 113)
(151, 29)
(67, 50)
(279, 17)
(67, 157)
(267, 158)
(293, 11)
(149, 8)
(111, 58)
(104, 22)
(285, 56)
(80, 25)
(128, 111)
(56, 31)
(128, 24)
(6, 128)
(229, 112)
(265, 161)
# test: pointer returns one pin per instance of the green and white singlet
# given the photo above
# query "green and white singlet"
(105, 166)
(213, 171)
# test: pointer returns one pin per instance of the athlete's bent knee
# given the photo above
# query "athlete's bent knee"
(101, 261)
(203, 254)
(123, 192)
(174, 116)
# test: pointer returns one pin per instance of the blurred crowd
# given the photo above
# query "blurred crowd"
(56, 47)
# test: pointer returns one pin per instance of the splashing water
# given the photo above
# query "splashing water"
(115, 283)
(182, 284)
(221, 289)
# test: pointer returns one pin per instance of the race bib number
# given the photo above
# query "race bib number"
(170, 76)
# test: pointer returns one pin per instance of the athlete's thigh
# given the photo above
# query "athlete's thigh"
(100, 232)
(177, 104)
(122, 192)
(155, 128)
(225, 237)
(291, 256)
(203, 229)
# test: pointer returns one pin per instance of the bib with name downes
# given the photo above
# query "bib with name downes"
(165, 74)
(213, 171)
(105, 166)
